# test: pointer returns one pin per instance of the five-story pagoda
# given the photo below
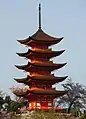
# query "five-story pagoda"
(40, 93)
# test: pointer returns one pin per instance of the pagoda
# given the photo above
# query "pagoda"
(40, 93)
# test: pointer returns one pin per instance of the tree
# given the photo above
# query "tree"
(7, 99)
(1, 99)
(11, 105)
(75, 97)
(14, 106)
(21, 100)
(1, 102)
(7, 102)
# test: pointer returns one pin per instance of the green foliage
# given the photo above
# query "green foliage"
(1, 99)
(1, 102)
(10, 105)
(83, 116)
(7, 99)
(49, 115)
(13, 106)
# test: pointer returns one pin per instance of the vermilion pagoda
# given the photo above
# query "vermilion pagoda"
(40, 93)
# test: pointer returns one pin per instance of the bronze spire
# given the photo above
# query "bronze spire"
(39, 16)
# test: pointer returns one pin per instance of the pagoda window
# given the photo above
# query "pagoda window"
(33, 84)
(49, 86)
(38, 98)
(43, 98)
(48, 98)
(38, 104)
(43, 86)
(50, 104)
(29, 104)
(34, 104)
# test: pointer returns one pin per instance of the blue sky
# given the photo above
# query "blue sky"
(19, 19)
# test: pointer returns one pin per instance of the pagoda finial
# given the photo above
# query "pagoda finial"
(39, 16)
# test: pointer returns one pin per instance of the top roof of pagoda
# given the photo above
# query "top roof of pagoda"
(40, 36)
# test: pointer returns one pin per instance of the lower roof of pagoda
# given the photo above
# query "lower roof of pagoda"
(31, 66)
(41, 78)
(40, 36)
(39, 92)
(41, 53)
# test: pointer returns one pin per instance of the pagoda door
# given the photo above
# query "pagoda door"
(44, 105)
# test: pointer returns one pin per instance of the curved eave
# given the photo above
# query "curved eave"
(23, 41)
(48, 78)
(23, 67)
(50, 65)
(57, 40)
(48, 92)
(41, 78)
(39, 52)
(31, 40)
(43, 66)
(40, 36)
(41, 92)
(20, 80)
(22, 54)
